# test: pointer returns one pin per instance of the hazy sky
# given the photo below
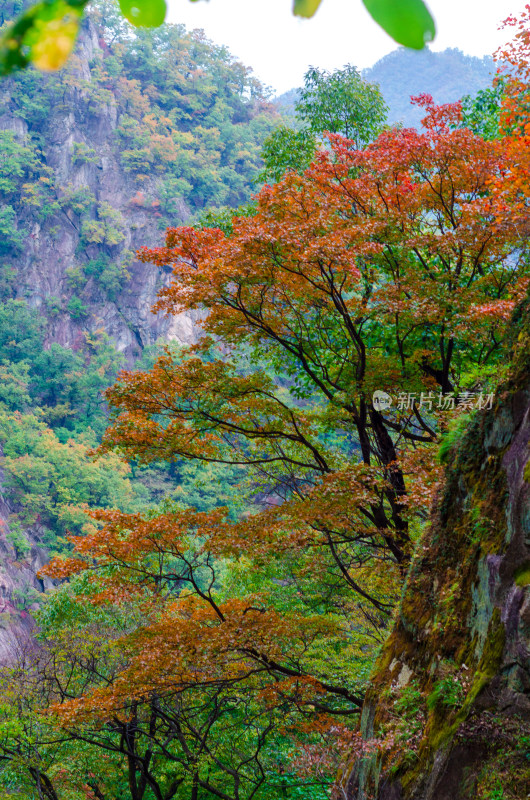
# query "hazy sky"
(279, 47)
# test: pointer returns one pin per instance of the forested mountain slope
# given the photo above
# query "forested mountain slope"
(138, 132)
(447, 75)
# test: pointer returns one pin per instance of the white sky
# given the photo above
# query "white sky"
(264, 35)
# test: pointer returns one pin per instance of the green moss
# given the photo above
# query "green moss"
(453, 436)
(444, 721)
(489, 662)
(435, 736)
(522, 575)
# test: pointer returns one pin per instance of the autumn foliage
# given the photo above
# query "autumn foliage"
(392, 268)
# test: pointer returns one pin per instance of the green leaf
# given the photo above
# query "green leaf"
(43, 35)
(305, 8)
(144, 13)
(53, 36)
(408, 22)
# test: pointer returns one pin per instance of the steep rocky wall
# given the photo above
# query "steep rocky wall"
(48, 264)
(19, 585)
(54, 246)
(447, 715)
(95, 162)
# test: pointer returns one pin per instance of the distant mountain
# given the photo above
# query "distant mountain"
(286, 103)
(447, 76)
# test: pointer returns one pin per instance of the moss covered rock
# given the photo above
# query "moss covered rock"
(449, 701)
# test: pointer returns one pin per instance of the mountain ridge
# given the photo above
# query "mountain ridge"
(447, 75)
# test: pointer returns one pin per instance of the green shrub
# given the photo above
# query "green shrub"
(497, 793)
(75, 278)
(409, 701)
(137, 160)
(80, 200)
(83, 154)
(11, 238)
(447, 692)
(17, 538)
(109, 274)
(108, 228)
(54, 305)
(76, 308)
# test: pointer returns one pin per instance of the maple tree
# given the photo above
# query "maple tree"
(206, 650)
(514, 74)
(391, 268)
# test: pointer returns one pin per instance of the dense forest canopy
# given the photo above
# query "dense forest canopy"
(228, 555)
(185, 107)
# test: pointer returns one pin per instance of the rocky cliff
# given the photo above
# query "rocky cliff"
(19, 586)
(140, 131)
(447, 715)
(52, 245)
(134, 135)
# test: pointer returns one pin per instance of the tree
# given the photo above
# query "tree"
(21, 331)
(330, 102)
(481, 113)
(287, 149)
(50, 483)
(65, 385)
(195, 738)
(514, 74)
(360, 275)
(502, 109)
(469, 526)
(390, 268)
(341, 102)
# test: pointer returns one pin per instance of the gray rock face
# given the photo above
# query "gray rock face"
(55, 245)
(49, 268)
(19, 585)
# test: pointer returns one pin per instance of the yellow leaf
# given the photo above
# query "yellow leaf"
(305, 8)
(55, 41)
